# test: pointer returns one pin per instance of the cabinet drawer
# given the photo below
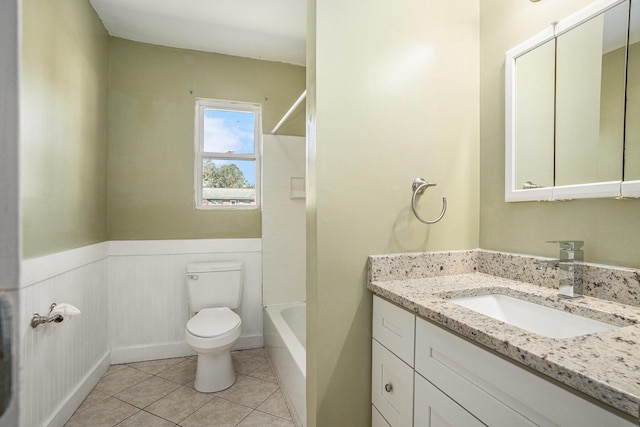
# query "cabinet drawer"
(394, 328)
(391, 387)
(377, 420)
(496, 391)
(433, 408)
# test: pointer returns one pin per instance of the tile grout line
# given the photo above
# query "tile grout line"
(128, 403)
(265, 412)
(200, 407)
(261, 358)
(163, 418)
(245, 417)
(121, 421)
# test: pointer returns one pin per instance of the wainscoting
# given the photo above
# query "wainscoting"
(134, 307)
(60, 363)
(148, 304)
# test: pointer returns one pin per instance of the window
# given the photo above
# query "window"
(227, 142)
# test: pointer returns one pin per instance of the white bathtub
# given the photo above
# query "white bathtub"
(285, 340)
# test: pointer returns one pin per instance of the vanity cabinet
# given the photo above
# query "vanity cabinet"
(392, 363)
(434, 408)
(451, 381)
(377, 420)
(392, 387)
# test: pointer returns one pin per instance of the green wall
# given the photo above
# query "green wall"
(311, 221)
(63, 127)
(395, 87)
(609, 227)
(151, 125)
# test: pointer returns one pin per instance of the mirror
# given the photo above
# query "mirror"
(632, 133)
(565, 107)
(535, 83)
(590, 78)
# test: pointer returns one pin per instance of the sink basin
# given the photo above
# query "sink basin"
(532, 317)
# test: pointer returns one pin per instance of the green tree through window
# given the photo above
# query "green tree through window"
(223, 176)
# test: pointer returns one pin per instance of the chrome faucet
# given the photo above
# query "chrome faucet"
(570, 267)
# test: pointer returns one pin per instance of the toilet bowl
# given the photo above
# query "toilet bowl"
(212, 333)
(214, 289)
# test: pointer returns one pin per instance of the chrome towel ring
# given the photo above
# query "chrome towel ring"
(418, 186)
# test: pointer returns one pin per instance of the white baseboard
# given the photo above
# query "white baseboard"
(69, 405)
(177, 349)
(150, 352)
(248, 342)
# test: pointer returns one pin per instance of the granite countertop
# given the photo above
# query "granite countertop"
(603, 365)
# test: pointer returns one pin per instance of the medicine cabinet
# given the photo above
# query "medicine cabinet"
(573, 107)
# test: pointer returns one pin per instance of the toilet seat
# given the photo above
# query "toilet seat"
(213, 328)
(212, 322)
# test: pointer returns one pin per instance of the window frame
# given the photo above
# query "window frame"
(203, 104)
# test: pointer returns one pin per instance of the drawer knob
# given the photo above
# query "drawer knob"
(388, 388)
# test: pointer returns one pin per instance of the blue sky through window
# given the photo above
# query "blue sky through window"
(231, 131)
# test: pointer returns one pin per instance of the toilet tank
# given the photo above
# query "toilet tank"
(214, 284)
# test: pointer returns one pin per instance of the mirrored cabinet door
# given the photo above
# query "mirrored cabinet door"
(632, 134)
(590, 99)
(534, 122)
(592, 96)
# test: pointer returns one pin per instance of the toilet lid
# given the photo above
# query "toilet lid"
(211, 322)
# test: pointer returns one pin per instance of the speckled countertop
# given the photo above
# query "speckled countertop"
(603, 365)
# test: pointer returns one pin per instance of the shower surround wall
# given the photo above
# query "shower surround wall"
(283, 221)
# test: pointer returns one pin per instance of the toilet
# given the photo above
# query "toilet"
(214, 288)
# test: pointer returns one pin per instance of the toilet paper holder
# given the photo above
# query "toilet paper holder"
(38, 319)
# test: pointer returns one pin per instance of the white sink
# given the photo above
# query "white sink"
(532, 317)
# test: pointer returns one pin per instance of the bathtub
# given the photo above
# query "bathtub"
(285, 340)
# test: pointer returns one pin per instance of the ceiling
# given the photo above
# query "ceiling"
(273, 30)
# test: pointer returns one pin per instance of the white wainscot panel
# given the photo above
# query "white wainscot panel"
(61, 363)
(148, 300)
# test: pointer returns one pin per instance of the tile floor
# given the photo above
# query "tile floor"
(160, 393)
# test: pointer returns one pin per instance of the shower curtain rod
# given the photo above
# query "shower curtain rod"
(288, 113)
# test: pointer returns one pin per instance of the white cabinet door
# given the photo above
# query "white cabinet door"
(377, 420)
(498, 392)
(394, 328)
(435, 409)
(391, 387)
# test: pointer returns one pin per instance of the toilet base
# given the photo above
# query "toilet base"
(214, 372)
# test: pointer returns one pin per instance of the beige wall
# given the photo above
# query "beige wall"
(63, 143)
(609, 227)
(395, 91)
(151, 120)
